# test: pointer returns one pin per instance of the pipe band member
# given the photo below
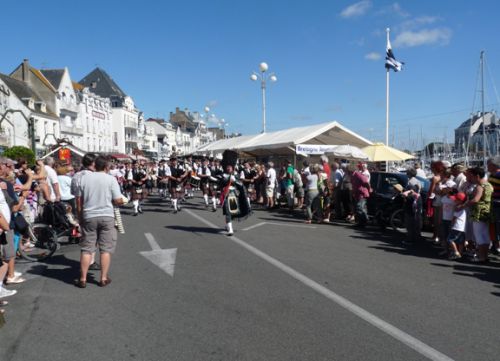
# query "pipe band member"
(177, 177)
(206, 184)
(234, 197)
(217, 172)
(137, 179)
(163, 178)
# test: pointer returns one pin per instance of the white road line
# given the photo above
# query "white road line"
(382, 325)
(254, 226)
(152, 242)
(276, 224)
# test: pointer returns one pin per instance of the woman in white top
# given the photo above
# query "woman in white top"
(311, 181)
(65, 187)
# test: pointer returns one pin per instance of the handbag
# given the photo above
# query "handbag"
(20, 224)
(138, 190)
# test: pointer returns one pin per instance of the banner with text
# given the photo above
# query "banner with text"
(314, 149)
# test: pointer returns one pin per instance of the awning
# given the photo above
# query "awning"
(71, 147)
(120, 157)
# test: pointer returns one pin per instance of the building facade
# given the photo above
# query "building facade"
(469, 136)
(95, 115)
(126, 133)
(66, 106)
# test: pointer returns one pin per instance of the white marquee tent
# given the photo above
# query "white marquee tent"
(283, 142)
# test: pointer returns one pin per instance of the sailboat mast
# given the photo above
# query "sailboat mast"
(482, 109)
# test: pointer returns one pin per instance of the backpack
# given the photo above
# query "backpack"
(297, 178)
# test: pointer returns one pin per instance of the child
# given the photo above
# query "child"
(447, 209)
(456, 237)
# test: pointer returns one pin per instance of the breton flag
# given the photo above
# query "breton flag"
(390, 60)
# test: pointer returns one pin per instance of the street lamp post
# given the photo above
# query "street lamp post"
(263, 67)
(207, 115)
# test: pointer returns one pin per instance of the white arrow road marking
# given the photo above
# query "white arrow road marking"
(276, 224)
(400, 335)
(163, 258)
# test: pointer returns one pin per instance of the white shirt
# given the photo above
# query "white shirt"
(207, 171)
(4, 207)
(448, 208)
(312, 182)
(421, 173)
(51, 180)
(461, 180)
(271, 177)
(460, 220)
(366, 173)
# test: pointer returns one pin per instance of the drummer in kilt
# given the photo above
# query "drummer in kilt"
(177, 176)
(137, 178)
(207, 184)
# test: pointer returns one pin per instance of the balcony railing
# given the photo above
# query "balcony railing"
(131, 124)
(71, 129)
(132, 139)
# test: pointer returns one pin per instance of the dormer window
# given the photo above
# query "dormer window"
(31, 104)
(43, 107)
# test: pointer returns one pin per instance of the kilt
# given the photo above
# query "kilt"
(176, 190)
(207, 188)
(138, 192)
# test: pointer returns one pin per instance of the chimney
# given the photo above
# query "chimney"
(26, 70)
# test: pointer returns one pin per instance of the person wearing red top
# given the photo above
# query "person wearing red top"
(360, 193)
(494, 179)
(326, 166)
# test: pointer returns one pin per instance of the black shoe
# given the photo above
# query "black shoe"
(95, 267)
(135, 214)
(179, 208)
(140, 210)
(175, 211)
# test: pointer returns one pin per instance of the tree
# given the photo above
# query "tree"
(17, 152)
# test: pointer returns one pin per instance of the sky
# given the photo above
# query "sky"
(328, 57)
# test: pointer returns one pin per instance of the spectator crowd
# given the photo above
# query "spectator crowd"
(462, 204)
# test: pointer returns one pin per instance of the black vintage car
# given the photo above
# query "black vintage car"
(385, 205)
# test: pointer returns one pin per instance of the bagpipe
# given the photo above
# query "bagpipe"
(234, 195)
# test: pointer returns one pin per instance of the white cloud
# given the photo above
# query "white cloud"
(419, 21)
(357, 9)
(373, 56)
(393, 9)
(438, 36)
(396, 8)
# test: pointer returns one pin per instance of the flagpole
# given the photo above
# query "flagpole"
(387, 100)
(387, 108)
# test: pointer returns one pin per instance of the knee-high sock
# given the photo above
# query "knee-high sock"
(136, 205)
(214, 202)
(174, 203)
(229, 226)
(205, 197)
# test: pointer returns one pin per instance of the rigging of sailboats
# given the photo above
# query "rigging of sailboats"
(477, 138)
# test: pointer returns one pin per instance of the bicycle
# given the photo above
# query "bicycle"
(41, 243)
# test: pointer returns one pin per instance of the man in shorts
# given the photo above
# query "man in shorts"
(99, 192)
